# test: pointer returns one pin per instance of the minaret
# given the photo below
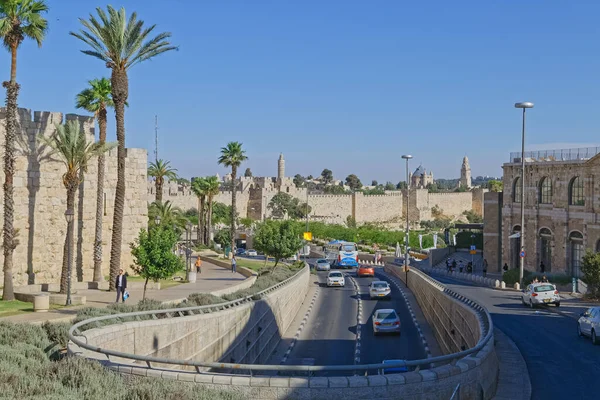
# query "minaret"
(280, 168)
(465, 174)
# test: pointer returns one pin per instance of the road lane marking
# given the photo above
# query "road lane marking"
(358, 333)
(301, 327)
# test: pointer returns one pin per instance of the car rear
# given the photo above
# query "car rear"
(545, 293)
(378, 290)
(365, 271)
(386, 321)
(336, 279)
(323, 265)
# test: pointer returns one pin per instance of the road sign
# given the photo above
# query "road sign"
(307, 235)
(522, 254)
(473, 252)
(472, 247)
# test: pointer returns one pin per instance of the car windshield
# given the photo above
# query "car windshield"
(380, 285)
(386, 315)
(335, 275)
(321, 261)
(251, 250)
(348, 247)
(543, 288)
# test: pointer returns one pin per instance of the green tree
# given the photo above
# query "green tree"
(495, 186)
(221, 214)
(96, 99)
(170, 216)
(160, 170)
(69, 145)
(353, 181)
(248, 173)
(278, 239)
(310, 178)
(153, 255)
(223, 237)
(389, 186)
(401, 185)
(327, 176)
(212, 186)
(182, 181)
(374, 191)
(299, 181)
(19, 19)
(334, 189)
(590, 268)
(473, 217)
(374, 183)
(200, 189)
(433, 188)
(232, 156)
(351, 222)
(120, 43)
(281, 204)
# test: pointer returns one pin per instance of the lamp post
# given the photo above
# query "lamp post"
(524, 105)
(305, 255)
(472, 243)
(69, 214)
(187, 250)
(407, 157)
(157, 220)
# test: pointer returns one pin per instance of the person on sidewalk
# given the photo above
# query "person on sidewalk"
(198, 265)
(542, 267)
(121, 285)
(485, 265)
(505, 267)
(233, 264)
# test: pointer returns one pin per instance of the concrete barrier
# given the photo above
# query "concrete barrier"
(248, 273)
(41, 303)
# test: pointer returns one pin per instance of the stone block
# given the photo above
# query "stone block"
(279, 382)
(203, 378)
(338, 381)
(517, 286)
(299, 382)
(413, 377)
(377, 380)
(41, 303)
(186, 376)
(240, 380)
(318, 382)
(428, 375)
(396, 379)
(502, 285)
(258, 381)
(220, 379)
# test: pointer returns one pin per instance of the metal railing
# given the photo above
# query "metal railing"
(456, 393)
(583, 153)
(75, 334)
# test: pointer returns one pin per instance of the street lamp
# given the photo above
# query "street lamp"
(188, 244)
(157, 220)
(407, 157)
(525, 105)
(306, 255)
(69, 217)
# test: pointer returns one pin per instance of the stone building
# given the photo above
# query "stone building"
(255, 193)
(420, 178)
(562, 211)
(465, 174)
(40, 203)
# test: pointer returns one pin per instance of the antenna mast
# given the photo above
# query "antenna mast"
(156, 138)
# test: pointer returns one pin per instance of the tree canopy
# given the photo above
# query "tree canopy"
(327, 176)
(353, 181)
(283, 204)
(299, 181)
(248, 173)
(590, 268)
(278, 239)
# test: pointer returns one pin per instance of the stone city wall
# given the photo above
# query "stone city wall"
(40, 202)
(378, 208)
(452, 204)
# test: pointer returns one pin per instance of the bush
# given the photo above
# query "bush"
(58, 333)
(201, 299)
(511, 277)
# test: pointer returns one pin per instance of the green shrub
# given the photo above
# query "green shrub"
(511, 276)
(57, 333)
(201, 299)
(23, 333)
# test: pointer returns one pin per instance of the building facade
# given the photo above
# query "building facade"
(420, 178)
(465, 174)
(562, 211)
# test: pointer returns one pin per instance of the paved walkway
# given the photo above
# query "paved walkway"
(211, 279)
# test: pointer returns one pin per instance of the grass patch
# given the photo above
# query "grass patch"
(164, 283)
(14, 307)
(254, 265)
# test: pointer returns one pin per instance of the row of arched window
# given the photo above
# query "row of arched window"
(576, 195)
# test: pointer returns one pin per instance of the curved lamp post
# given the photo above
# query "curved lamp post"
(407, 157)
(69, 215)
(524, 105)
(188, 245)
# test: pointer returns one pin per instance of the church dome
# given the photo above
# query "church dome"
(419, 171)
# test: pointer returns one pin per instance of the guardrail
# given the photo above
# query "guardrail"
(75, 334)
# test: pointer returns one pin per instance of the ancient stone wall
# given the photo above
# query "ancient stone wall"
(330, 208)
(378, 208)
(40, 202)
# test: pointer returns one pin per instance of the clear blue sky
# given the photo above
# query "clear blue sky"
(345, 85)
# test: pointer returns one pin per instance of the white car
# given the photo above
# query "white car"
(322, 265)
(251, 253)
(336, 278)
(589, 324)
(540, 293)
(379, 289)
(386, 321)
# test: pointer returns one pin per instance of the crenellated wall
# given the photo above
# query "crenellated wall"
(40, 202)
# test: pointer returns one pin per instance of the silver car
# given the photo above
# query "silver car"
(386, 321)
(336, 278)
(322, 265)
(589, 324)
(540, 293)
(379, 289)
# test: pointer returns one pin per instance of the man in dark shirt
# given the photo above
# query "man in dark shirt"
(121, 285)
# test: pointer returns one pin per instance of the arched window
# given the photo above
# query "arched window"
(545, 249)
(545, 191)
(576, 244)
(576, 197)
(517, 191)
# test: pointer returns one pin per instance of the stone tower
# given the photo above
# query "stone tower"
(280, 168)
(465, 174)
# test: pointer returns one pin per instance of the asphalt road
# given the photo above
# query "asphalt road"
(329, 337)
(561, 365)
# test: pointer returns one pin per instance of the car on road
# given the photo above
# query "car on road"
(394, 370)
(365, 270)
(336, 278)
(540, 293)
(589, 324)
(386, 320)
(379, 289)
(251, 253)
(293, 258)
(322, 265)
(240, 252)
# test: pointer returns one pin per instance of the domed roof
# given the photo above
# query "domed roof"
(419, 171)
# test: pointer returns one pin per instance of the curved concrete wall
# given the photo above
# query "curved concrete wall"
(245, 334)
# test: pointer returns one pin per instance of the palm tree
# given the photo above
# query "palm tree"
(120, 43)
(96, 99)
(199, 188)
(232, 156)
(71, 147)
(169, 215)
(161, 170)
(19, 19)
(212, 189)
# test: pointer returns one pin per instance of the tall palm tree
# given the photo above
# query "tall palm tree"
(19, 19)
(70, 146)
(96, 99)
(199, 188)
(212, 189)
(120, 43)
(161, 170)
(232, 156)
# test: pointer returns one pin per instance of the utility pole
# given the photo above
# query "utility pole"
(156, 138)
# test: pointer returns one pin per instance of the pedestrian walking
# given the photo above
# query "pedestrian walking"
(121, 285)
(233, 263)
(542, 267)
(198, 265)
(485, 265)
(453, 266)
(505, 267)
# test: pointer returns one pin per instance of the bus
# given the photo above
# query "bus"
(341, 254)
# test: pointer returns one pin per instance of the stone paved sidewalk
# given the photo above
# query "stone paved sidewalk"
(211, 279)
